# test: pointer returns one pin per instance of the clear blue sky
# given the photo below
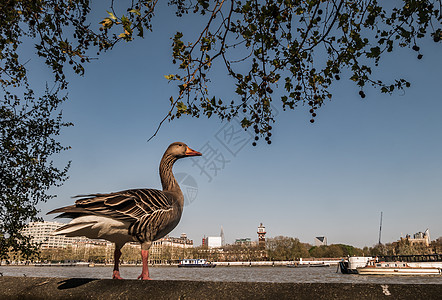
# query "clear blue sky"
(332, 178)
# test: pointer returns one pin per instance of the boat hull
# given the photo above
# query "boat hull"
(307, 265)
(343, 265)
(197, 266)
(398, 271)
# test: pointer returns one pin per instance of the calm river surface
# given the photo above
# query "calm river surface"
(251, 274)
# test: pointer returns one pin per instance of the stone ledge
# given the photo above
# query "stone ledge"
(83, 288)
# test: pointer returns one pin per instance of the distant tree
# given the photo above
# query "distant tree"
(379, 249)
(335, 250)
(285, 248)
(401, 247)
(130, 253)
(349, 250)
(317, 251)
(405, 247)
(166, 254)
(436, 245)
(366, 251)
(54, 254)
(98, 255)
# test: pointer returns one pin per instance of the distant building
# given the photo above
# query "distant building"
(40, 234)
(420, 238)
(243, 242)
(223, 239)
(320, 241)
(261, 236)
(181, 242)
(212, 242)
(168, 248)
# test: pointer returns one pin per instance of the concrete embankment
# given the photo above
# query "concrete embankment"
(81, 288)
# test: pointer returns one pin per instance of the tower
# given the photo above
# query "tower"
(261, 236)
(223, 241)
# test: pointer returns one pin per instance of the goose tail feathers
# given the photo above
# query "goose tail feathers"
(62, 210)
(69, 212)
(72, 228)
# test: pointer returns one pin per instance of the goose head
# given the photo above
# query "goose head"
(174, 152)
(180, 150)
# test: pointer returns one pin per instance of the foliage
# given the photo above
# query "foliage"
(28, 123)
(277, 52)
(292, 50)
(46, 23)
(335, 250)
(405, 247)
(85, 253)
(27, 135)
(285, 248)
(436, 245)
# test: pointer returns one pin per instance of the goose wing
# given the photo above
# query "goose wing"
(130, 205)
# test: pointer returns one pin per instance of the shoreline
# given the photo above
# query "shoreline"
(329, 262)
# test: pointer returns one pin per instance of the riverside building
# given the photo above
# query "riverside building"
(168, 249)
(40, 234)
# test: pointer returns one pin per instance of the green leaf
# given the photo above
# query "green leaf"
(375, 52)
(124, 20)
(135, 11)
(111, 15)
(181, 107)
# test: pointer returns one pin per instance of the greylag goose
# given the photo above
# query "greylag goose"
(142, 215)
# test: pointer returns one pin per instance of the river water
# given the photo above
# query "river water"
(227, 274)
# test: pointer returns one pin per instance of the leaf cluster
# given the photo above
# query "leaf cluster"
(335, 250)
(292, 50)
(60, 31)
(277, 52)
(28, 129)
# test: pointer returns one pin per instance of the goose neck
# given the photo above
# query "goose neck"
(168, 181)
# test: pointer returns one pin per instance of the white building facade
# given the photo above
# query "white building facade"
(41, 234)
(320, 241)
(213, 242)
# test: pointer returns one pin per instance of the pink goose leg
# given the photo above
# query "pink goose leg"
(145, 272)
(117, 255)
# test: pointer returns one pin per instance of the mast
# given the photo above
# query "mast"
(380, 230)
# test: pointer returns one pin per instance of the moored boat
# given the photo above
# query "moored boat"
(397, 268)
(308, 265)
(195, 263)
(352, 264)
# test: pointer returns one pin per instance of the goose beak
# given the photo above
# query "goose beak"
(190, 152)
